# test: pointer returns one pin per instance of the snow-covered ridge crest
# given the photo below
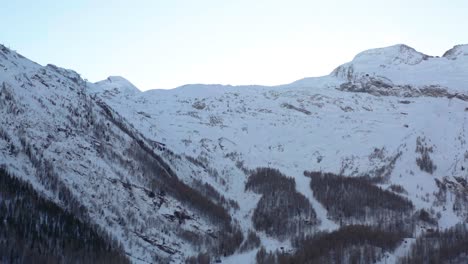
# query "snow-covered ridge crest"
(116, 84)
(373, 59)
(396, 54)
(11, 62)
(403, 65)
(399, 65)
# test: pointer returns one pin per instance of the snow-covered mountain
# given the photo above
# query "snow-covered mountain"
(392, 114)
(84, 156)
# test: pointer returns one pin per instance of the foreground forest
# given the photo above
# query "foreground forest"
(36, 230)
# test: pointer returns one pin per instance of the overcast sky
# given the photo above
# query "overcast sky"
(165, 44)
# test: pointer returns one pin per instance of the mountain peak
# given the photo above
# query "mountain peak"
(117, 84)
(392, 55)
(403, 65)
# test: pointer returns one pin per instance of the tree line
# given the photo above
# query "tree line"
(449, 246)
(349, 244)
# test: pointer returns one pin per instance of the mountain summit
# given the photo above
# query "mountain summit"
(403, 65)
(392, 55)
(116, 84)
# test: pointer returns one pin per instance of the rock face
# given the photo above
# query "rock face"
(167, 172)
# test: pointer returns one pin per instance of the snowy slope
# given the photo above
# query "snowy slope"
(316, 124)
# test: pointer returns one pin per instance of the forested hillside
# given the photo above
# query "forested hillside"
(36, 230)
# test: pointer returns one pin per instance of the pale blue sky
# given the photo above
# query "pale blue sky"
(164, 44)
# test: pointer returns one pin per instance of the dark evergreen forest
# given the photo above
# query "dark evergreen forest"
(35, 230)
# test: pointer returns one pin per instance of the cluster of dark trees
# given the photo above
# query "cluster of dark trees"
(200, 161)
(425, 217)
(357, 200)
(264, 257)
(228, 241)
(264, 180)
(282, 211)
(252, 241)
(201, 258)
(450, 246)
(450, 187)
(191, 197)
(397, 188)
(36, 230)
(349, 244)
(424, 162)
(209, 191)
(223, 242)
(203, 162)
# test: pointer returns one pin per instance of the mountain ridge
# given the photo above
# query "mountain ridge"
(390, 55)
